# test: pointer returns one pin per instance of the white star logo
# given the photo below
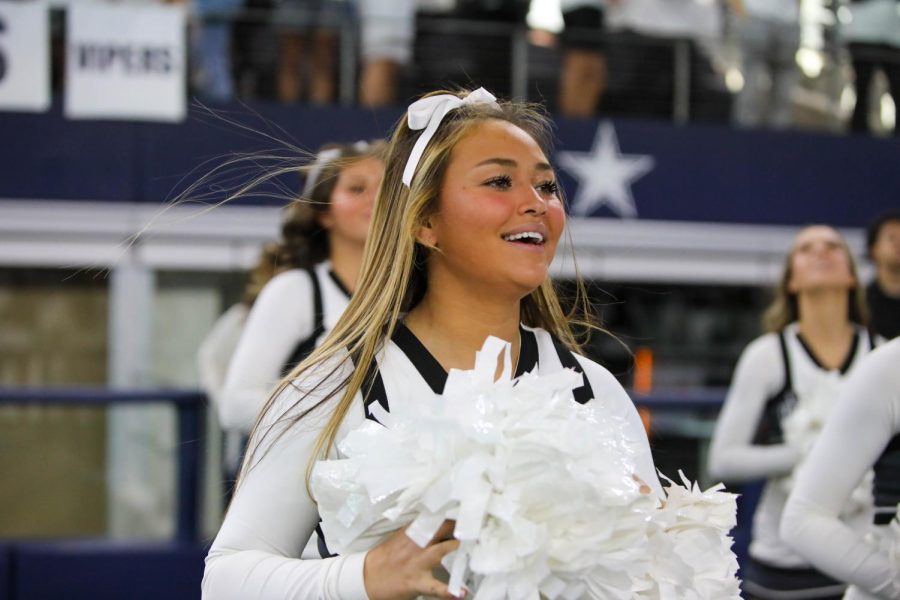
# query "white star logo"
(605, 174)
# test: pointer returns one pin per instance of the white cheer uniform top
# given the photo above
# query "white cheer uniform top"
(282, 324)
(862, 433)
(268, 546)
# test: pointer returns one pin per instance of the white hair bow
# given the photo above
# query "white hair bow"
(427, 114)
(323, 158)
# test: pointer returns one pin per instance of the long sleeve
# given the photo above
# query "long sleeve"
(864, 421)
(217, 348)
(613, 396)
(256, 554)
(281, 317)
(733, 456)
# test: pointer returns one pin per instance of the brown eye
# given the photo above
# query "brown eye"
(503, 182)
(549, 188)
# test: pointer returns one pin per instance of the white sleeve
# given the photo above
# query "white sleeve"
(614, 398)
(256, 554)
(865, 419)
(733, 456)
(217, 348)
(281, 317)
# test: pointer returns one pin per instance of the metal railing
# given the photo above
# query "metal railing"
(189, 406)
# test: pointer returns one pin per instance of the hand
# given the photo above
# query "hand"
(398, 569)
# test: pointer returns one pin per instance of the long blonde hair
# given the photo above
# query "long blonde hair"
(393, 279)
(784, 308)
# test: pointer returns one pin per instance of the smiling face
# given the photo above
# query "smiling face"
(350, 208)
(820, 260)
(499, 216)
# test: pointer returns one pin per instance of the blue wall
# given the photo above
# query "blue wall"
(700, 172)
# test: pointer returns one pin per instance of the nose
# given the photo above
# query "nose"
(533, 203)
(370, 193)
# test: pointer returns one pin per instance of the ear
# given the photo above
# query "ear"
(325, 220)
(426, 235)
(791, 285)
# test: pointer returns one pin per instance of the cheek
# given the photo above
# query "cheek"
(344, 206)
(556, 217)
(472, 214)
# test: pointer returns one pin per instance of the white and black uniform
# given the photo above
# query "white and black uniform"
(863, 432)
(774, 373)
(292, 315)
(268, 546)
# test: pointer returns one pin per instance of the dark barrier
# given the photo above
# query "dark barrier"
(5, 570)
(107, 570)
(189, 407)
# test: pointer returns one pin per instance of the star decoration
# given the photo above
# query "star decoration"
(605, 175)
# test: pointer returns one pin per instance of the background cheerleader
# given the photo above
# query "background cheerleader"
(322, 244)
(784, 384)
(862, 434)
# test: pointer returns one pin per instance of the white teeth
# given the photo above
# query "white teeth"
(537, 237)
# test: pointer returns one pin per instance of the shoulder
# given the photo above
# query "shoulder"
(286, 297)
(882, 362)
(292, 283)
(236, 313)
(764, 350)
(313, 392)
(602, 381)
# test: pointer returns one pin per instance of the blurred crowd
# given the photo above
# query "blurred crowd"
(759, 63)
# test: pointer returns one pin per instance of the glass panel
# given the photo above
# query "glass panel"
(53, 327)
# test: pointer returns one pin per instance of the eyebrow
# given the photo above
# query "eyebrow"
(508, 162)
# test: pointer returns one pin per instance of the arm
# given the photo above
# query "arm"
(733, 456)
(612, 396)
(217, 348)
(864, 421)
(280, 318)
(256, 553)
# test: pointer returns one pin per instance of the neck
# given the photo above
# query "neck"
(823, 316)
(889, 280)
(453, 323)
(346, 260)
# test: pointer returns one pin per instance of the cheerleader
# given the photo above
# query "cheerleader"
(863, 434)
(464, 229)
(217, 348)
(783, 388)
(323, 238)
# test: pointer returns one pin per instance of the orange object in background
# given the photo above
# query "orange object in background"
(643, 381)
(643, 371)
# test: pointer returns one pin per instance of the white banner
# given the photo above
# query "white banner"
(125, 62)
(24, 56)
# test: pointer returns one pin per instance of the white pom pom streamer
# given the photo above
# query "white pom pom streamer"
(542, 491)
(802, 428)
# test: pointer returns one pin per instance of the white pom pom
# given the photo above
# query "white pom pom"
(542, 490)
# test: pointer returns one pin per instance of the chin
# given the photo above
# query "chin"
(529, 285)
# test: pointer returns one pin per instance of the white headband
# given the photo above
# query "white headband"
(427, 114)
(323, 158)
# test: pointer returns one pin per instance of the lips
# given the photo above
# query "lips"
(534, 234)
(528, 237)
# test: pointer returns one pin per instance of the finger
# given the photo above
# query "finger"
(436, 552)
(439, 589)
(644, 488)
(444, 532)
